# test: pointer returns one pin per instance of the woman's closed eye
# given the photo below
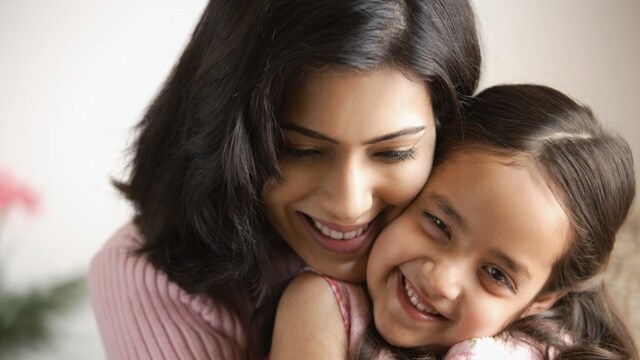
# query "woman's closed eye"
(389, 156)
(393, 156)
(295, 153)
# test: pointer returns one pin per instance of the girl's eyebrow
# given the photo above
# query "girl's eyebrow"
(444, 205)
(511, 263)
(317, 135)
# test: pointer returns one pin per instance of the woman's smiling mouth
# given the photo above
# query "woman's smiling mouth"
(340, 238)
(337, 235)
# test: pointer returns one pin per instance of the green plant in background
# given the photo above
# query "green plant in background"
(26, 316)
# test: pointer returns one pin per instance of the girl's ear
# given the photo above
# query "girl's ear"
(543, 302)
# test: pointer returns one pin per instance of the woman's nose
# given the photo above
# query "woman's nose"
(443, 278)
(348, 191)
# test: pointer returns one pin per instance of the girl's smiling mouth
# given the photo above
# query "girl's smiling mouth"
(414, 303)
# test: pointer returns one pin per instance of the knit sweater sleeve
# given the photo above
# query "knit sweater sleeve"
(143, 315)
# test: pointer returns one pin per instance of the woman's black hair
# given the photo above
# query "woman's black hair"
(208, 142)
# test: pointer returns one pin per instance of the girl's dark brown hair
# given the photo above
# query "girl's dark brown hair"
(591, 171)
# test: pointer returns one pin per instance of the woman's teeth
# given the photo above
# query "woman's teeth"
(337, 235)
(416, 301)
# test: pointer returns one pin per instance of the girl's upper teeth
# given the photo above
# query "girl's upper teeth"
(337, 235)
(416, 301)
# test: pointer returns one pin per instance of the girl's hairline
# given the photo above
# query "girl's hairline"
(516, 157)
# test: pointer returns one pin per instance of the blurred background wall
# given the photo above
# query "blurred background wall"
(75, 76)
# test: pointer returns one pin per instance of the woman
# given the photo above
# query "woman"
(286, 125)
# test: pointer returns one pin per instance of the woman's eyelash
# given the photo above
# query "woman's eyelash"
(398, 155)
(293, 153)
(391, 155)
(500, 277)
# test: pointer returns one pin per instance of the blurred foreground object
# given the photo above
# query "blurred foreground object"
(13, 192)
(26, 315)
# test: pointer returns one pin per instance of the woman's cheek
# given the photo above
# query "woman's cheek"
(407, 184)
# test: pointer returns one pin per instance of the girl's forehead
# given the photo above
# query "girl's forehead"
(502, 203)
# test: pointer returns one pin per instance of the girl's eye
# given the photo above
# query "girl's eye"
(298, 154)
(499, 277)
(440, 225)
(397, 155)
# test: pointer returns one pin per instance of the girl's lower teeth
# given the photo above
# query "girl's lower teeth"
(416, 302)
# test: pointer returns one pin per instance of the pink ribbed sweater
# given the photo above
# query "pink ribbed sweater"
(143, 315)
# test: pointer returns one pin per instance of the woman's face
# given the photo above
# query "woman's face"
(356, 149)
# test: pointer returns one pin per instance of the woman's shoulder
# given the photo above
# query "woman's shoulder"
(128, 237)
(136, 303)
(119, 267)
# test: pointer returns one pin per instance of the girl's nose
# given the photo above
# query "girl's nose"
(443, 278)
(348, 191)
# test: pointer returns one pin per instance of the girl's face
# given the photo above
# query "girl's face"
(357, 148)
(470, 255)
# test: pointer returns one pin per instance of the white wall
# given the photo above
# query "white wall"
(589, 49)
(75, 76)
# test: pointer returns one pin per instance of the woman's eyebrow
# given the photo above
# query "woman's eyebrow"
(308, 132)
(407, 131)
(317, 135)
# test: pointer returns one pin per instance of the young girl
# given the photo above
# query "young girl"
(505, 245)
(289, 132)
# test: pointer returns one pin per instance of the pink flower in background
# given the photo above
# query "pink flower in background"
(13, 192)
(28, 315)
